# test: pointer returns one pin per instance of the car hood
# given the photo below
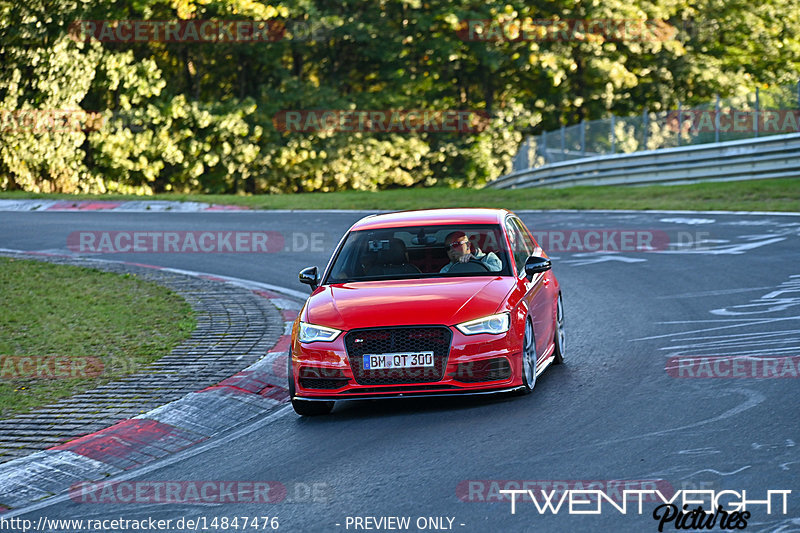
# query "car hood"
(446, 301)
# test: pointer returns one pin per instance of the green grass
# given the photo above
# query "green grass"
(756, 195)
(57, 313)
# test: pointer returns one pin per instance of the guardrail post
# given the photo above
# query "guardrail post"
(544, 148)
(563, 142)
(680, 122)
(583, 137)
(527, 153)
(613, 136)
(645, 118)
(798, 94)
(716, 120)
(522, 154)
(755, 117)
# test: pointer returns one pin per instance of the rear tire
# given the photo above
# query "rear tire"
(305, 407)
(560, 339)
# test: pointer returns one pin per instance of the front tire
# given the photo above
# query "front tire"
(560, 339)
(528, 358)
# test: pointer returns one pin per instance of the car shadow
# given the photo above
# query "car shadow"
(382, 408)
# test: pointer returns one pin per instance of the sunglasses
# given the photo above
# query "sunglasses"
(458, 244)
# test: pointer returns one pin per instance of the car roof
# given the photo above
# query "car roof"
(432, 217)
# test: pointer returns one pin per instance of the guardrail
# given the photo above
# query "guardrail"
(768, 157)
(773, 110)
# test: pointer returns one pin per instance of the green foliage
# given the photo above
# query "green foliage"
(177, 146)
(328, 162)
(198, 117)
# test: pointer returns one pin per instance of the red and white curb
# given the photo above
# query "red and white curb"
(244, 397)
(138, 206)
(159, 206)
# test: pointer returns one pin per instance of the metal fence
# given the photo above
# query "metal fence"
(772, 111)
(774, 156)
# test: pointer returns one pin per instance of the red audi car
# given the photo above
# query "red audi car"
(426, 303)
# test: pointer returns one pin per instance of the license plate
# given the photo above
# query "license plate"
(398, 360)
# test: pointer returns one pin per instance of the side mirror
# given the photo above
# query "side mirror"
(309, 276)
(535, 265)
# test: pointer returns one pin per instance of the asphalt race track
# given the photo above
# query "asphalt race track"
(612, 416)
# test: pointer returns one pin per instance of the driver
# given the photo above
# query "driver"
(459, 250)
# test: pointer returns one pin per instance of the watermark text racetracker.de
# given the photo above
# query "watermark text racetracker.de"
(749, 121)
(602, 240)
(579, 30)
(499, 490)
(200, 492)
(115, 242)
(731, 367)
(198, 31)
(49, 367)
(381, 120)
(52, 367)
(618, 240)
(49, 120)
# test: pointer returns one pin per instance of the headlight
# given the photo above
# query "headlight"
(494, 324)
(312, 333)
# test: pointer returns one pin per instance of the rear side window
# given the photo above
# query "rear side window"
(519, 248)
(526, 237)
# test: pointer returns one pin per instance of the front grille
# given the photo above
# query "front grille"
(486, 370)
(414, 339)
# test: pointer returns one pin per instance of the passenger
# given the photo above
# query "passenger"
(460, 250)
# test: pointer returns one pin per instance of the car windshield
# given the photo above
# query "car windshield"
(421, 252)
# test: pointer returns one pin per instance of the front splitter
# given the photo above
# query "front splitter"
(406, 395)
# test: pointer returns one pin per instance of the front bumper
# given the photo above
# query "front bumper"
(472, 364)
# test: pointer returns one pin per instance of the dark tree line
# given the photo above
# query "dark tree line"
(189, 116)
